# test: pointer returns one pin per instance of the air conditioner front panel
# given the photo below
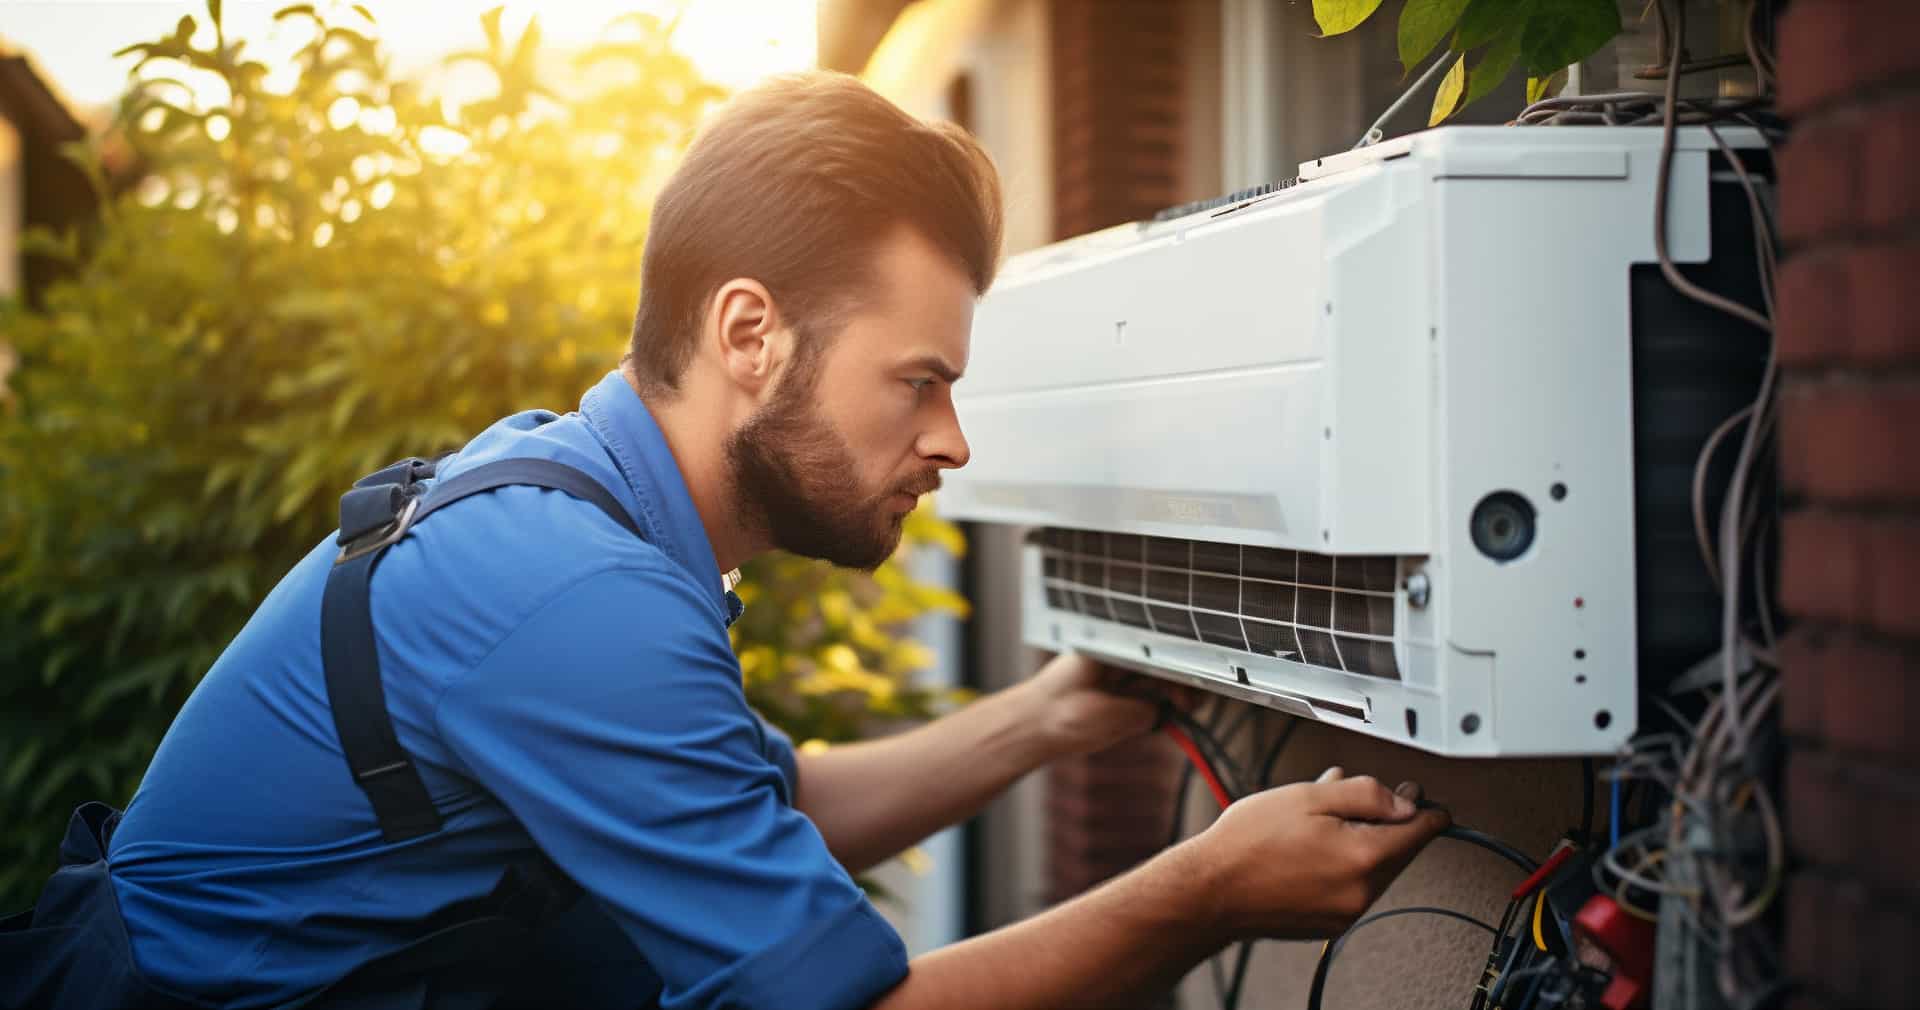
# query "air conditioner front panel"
(1227, 456)
(1179, 382)
(1350, 369)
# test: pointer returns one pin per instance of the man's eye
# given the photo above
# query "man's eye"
(919, 384)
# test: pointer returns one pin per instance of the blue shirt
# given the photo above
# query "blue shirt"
(561, 685)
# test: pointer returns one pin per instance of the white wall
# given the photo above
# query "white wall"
(1002, 46)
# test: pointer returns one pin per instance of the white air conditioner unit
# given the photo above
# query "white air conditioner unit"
(1403, 446)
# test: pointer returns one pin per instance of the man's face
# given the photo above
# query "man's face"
(847, 443)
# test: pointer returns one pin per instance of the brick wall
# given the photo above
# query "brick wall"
(1849, 344)
(1118, 111)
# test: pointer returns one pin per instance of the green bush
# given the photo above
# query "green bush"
(309, 283)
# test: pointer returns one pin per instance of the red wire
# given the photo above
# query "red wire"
(1540, 875)
(1200, 762)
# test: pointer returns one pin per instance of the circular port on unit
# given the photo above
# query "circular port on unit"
(1502, 526)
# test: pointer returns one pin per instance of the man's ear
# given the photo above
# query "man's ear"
(744, 327)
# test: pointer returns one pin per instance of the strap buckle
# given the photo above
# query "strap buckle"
(383, 537)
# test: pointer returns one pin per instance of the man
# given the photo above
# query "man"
(565, 691)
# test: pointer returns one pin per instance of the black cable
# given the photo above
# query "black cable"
(1272, 757)
(1587, 773)
(1494, 845)
(1332, 949)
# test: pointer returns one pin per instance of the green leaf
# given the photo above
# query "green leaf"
(1423, 23)
(1564, 32)
(23, 762)
(1544, 87)
(1494, 66)
(1337, 17)
(1447, 99)
(1486, 19)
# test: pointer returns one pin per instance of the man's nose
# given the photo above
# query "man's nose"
(946, 445)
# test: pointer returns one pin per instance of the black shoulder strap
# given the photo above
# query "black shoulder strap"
(375, 515)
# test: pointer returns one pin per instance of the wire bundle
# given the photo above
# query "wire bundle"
(1715, 853)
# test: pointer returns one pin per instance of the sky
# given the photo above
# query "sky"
(733, 42)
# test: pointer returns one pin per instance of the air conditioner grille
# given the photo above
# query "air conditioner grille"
(1335, 612)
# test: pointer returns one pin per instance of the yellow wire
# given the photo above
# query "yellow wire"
(1539, 940)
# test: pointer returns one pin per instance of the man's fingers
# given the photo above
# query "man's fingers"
(1333, 774)
(1361, 798)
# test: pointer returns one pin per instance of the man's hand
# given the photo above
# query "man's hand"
(1304, 861)
(1081, 706)
(1296, 862)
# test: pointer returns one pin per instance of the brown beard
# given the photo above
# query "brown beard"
(794, 477)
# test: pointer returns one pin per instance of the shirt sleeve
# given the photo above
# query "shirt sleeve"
(612, 724)
(779, 751)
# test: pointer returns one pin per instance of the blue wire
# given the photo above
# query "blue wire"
(1613, 817)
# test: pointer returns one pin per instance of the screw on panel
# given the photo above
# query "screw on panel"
(1558, 491)
(1419, 589)
(1470, 723)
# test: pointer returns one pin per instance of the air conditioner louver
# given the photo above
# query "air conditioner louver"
(1333, 612)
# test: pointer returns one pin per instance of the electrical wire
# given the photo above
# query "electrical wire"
(1613, 817)
(1374, 132)
(1586, 801)
(1200, 763)
(1460, 833)
(1332, 950)
(1217, 757)
(1539, 938)
(1506, 970)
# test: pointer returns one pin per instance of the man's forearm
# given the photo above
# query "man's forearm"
(1113, 947)
(873, 799)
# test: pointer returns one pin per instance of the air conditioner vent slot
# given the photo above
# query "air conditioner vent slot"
(1335, 612)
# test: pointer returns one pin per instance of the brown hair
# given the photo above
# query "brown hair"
(793, 183)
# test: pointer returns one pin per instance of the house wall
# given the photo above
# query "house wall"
(1849, 343)
(13, 186)
(12, 195)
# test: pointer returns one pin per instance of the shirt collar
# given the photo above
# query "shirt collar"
(666, 513)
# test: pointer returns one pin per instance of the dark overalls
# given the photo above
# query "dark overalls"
(71, 952)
